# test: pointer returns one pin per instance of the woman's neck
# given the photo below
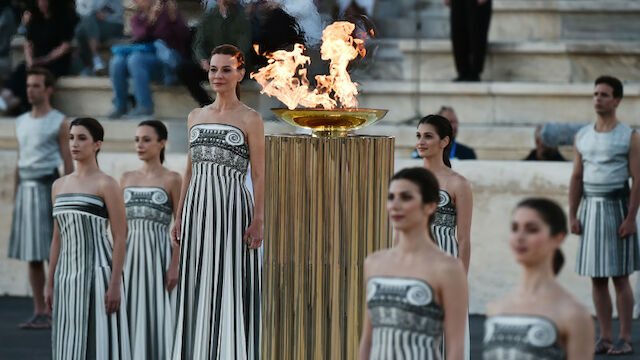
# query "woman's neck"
(225, 101)
(151, 166)
(415, 239)
(87, 167)
(434, 163)
(536, 277)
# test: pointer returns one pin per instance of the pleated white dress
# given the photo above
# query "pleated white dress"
(444, 229)
(219, 287)
(151, 308)
(81, 327)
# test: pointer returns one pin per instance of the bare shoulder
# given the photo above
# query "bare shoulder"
(459, 182)
(126, 177)
(193, 116)
(173, 177)
(571, 311)
(499, 305)
(106, 183)
(64, 125)
(635, 138)
(58, 183)
(376, 258)
(448, 267)
(251, 116)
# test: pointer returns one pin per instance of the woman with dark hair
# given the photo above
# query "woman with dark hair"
(86, 289)
(49, 33)
(415, 292)
(151, 196)
(539, 319)
(220, 231)
(452, 225)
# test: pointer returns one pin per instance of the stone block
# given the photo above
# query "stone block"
(551, 62)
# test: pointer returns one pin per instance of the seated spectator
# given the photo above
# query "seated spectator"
(48, 44)
(458, 150)
(542, 152)
(100, 21)
(7, 29)
(223, 23)
(160, 41)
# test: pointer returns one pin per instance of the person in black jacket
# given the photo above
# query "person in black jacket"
(458, 151)
(469, 29)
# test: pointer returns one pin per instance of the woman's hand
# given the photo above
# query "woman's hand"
(575, 226)
(175, 232)
(112, 298)
(48, 296)
(254, 235)
(172, 276)
(627, 228)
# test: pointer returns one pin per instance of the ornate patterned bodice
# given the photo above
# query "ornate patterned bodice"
(512, 337)
(404, 315)
(220, 144)
(446, 211)
(148, 203)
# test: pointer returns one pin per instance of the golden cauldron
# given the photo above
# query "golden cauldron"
(330, 122)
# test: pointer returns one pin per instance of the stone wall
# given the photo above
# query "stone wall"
(497, 187)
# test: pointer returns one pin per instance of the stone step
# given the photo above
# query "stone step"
(491, 103)
(517, 19)
(514, 142)
(543, 61)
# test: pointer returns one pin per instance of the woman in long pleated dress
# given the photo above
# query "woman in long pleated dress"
(151, 195)
(416, 293)
(219, 284)
(452, 225)
(86, 290)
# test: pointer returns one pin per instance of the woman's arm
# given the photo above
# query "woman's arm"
(175, 231)
(112, 194)
(455, 302)
(175, 185)
(256, 149)
(464, 206)
(580, 334)
(54, 253)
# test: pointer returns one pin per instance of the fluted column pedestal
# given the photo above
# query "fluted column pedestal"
(325, 210)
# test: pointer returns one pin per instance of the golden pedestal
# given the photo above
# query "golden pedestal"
(325, 210)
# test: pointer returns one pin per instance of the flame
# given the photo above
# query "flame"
(285, 75)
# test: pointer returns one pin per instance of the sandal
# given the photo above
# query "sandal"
(603, 346)
(622, 347)
(37, 321)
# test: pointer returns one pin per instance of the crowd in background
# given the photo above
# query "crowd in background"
(87, 37)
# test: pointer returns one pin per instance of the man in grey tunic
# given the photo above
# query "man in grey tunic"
(606, 154)
(43, 144)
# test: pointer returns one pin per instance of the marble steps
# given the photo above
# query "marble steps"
(516, 19)
(490, 142)
(567, 61)
(499, 103)
(498, 119)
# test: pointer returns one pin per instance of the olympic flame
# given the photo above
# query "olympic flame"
(285, 75)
